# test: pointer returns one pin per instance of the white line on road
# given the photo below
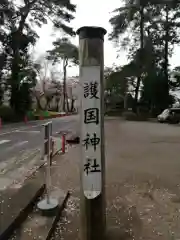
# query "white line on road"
(21, 131)
(4, 141)
(14, 130)
(19, 144)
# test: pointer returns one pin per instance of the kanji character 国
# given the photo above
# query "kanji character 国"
(91, 115)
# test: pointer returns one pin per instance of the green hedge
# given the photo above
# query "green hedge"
(131, 116)
(7, 114)
(113, 113)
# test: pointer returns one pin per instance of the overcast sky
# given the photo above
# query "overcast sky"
(92, 13)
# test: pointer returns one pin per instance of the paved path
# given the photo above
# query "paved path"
(16, 138)
(142, 182)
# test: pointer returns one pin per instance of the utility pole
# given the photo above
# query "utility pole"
(91, 56)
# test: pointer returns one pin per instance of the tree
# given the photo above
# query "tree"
(118, 86)
(64, 51)
(47, 85)
(7, 11)
(57, 85)
(28, 79)
(160, 24)
(131, 17)
(21, 35)
(175, 79)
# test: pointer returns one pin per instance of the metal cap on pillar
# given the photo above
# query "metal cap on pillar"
(91, 32)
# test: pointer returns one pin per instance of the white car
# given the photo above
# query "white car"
(163, 116)
(170, 115)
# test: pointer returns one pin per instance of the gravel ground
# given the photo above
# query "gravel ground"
(142, 182)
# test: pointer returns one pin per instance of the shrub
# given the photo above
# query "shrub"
(131, 116)
(7, 114)
(113, 112)
(30, 115)
(142, 117)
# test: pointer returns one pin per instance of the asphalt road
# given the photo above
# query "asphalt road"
(16, 138)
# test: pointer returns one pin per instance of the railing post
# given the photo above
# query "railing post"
(63, 143)
(47, 153)
(48, 204)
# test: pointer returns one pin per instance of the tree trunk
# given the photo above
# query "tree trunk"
(3, 58)
(141, 48)
(15, 69)
(166, 62)
(14, 101)
(57, 107)
(39, 107)
(67, 102)
(65, 63)
(72, 105)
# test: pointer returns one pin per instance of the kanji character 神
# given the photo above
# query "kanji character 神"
(93, 141)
